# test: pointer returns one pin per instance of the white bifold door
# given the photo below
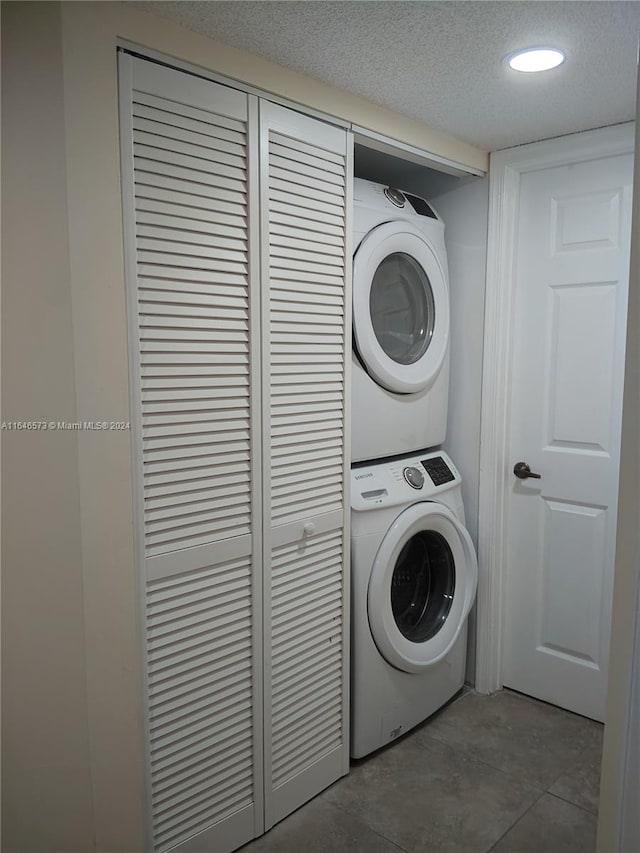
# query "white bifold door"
(235, 216)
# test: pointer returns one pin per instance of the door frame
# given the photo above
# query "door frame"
(506, 170)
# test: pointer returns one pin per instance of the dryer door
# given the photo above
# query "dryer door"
(400, 308)
(422, 585)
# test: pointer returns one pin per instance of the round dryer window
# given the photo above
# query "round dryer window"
(400, 307)
(422, 585)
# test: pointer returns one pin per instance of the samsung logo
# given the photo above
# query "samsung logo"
(363, 476)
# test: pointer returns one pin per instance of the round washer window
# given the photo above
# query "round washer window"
(422, 586)
(402, 308)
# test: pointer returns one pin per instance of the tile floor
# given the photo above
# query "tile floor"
(501, 773)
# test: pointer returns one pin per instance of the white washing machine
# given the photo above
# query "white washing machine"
(400, 375)
(414, 577)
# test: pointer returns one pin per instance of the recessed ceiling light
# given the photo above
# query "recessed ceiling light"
(535, 59)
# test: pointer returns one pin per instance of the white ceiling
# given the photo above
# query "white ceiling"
(440, 62)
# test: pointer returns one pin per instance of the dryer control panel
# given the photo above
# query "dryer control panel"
(438, 470)
(383, 197)
(397, 481)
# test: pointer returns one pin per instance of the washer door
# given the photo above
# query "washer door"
(422, 585)
(400, 308)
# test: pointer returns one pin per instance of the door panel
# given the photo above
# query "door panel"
(306, 333)
(307, 647)
(580, 366)
(173, 308)
(568, 357)
(199, 648)
(192, 302)
(239, 314)
(307, 458)
(572, 580)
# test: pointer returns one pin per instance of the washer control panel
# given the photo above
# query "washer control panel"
(438, 470)
(397, 480)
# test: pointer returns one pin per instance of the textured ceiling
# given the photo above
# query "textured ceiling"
(440, 62)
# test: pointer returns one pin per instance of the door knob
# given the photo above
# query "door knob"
(523, 472)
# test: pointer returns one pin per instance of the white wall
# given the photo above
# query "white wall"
(619, 813)
(465, 213)
(630, 834)
(46, 770)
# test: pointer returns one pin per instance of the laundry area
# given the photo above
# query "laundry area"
(321, 450)
(503, 773)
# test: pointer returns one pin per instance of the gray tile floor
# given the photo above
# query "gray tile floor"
(500, 773)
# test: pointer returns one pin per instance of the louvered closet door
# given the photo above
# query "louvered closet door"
(305, 167)
(187, 169)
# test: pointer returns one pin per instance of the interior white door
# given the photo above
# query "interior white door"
(568, 362)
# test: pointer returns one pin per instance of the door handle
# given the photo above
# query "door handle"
(523, 472)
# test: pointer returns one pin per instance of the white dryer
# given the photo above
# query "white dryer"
(414, 578)
(400, 375)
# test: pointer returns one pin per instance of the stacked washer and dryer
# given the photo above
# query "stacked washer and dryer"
(413, 564)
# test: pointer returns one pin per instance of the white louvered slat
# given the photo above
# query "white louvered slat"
(185, 220)
(151, 184)
(188, 181)
(309, 215)
(298, 184)
(304, 220)
(311, 170)
(301, 230)
(305, 278)
(192, 254)
(192, 306)
(175, 428)
(207, 151)
(157, 122)
(193, 118)
(307, 675)
(306, 205)
(156, 199)
(201, 737)
(308, 158)
(191, 233)
(319, 294)
(191, 151)
(296, 147)
(225, 170)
